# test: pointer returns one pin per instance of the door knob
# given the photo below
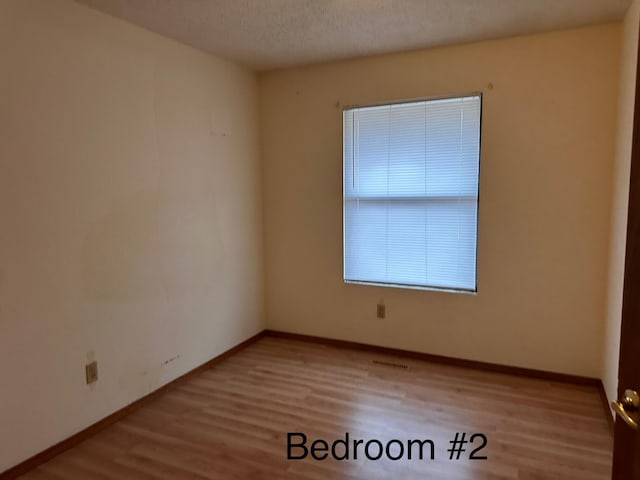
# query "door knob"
(627, 408)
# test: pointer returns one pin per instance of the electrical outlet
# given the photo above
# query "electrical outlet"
(91, 371)
(381, 311)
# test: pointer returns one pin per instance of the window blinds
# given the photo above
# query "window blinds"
(411, 193)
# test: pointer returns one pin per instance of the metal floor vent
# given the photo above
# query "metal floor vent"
(390, 364)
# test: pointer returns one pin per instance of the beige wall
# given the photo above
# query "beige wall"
(547, 152)
(620, 202)
(130, 223)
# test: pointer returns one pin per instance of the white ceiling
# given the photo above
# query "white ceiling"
(269, 34)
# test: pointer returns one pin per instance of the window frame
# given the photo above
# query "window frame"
(430, 288)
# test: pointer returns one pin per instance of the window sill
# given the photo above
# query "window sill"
(412, 287)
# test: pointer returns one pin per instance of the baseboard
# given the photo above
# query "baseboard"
(91, 430)
(491, 367)
(607, 408)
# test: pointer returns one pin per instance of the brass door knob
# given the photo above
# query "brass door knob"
(627, 408)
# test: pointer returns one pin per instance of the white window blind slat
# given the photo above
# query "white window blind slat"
(411, 193)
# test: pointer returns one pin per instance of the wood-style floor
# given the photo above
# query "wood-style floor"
(231, 422)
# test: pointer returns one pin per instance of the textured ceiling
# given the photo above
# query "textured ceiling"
(268, 34)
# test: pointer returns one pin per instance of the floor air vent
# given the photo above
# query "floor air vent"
(390, 364)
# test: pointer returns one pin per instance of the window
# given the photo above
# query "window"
(411, 193)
